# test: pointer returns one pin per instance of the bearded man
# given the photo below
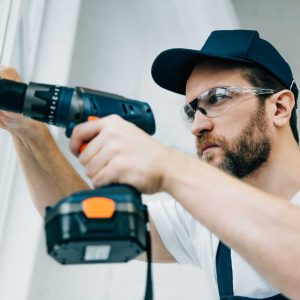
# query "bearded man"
(241, 108)
(240, 104)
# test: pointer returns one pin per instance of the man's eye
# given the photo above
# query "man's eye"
(217, 99)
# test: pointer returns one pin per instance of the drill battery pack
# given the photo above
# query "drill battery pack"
(106, 225)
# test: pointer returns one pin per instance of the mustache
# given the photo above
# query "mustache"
(207, 138)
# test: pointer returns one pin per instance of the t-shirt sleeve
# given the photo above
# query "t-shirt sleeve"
(169, 218)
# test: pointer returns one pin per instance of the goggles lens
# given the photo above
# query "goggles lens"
(216, 101)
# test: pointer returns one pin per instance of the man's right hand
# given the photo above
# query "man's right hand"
(14, 123)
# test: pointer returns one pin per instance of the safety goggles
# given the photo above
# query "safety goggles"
(218, 100)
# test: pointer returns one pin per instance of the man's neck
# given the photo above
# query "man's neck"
(280, 175)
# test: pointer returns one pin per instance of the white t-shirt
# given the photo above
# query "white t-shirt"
(191, 243)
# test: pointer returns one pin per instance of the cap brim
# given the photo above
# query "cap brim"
(171, 68)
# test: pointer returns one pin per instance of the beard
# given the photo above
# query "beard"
(245, 154)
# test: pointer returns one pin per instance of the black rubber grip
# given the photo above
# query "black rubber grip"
(12, 95)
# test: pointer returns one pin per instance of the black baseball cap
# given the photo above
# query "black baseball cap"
(171, 68)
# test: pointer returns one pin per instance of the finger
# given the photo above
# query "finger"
(92, 148)
(9, 73)
(83, 133)
(105, 176)
(97, 163)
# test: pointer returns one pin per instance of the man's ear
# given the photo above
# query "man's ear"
(283, 103)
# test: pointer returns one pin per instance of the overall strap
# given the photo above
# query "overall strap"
(224, 271)
(225, 279)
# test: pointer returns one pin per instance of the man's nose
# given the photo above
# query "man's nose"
(201, 124)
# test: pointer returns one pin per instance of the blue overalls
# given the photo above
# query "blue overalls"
(224, 276)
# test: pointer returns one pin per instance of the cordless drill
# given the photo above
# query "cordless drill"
(105, 225)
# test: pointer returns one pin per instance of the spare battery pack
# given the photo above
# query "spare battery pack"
(106, 225)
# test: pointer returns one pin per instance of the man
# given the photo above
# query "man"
(238, 213)
(240, 100)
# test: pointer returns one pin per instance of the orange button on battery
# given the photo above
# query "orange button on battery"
(98, 207)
